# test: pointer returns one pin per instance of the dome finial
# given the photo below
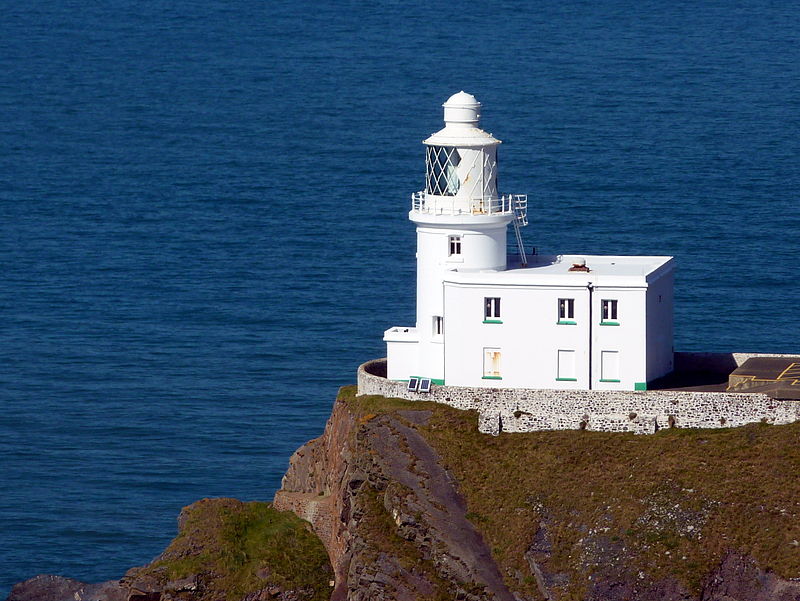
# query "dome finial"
(462, 108)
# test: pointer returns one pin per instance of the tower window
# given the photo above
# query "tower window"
(438, 325)
(609, 312)
(491, 309)
(566, 310)
(441, 166)
(454, 243)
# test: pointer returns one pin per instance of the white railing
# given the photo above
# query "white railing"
(423, 202)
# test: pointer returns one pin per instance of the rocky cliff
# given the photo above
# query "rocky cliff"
(412, 503)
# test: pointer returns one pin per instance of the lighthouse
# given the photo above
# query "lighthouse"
(484, 319)
(462, 225)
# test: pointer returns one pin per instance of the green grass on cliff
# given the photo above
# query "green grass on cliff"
(237, 548)
(667, 505)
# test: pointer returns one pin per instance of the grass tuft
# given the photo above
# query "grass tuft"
(238, 548)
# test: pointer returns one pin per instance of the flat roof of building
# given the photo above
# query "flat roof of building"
(568, 270)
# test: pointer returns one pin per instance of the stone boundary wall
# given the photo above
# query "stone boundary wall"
(717, 362)
(641, 412)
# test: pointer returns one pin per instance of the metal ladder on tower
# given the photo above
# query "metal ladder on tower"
(519, 204)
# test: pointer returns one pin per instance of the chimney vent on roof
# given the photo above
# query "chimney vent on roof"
(579, 265)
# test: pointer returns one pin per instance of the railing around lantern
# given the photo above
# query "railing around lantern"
(452, 205)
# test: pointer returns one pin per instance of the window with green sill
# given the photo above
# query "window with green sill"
(566, 366)
(609, 366)
(608, 312)
(491, 364)
(566, 312)
(491, 309)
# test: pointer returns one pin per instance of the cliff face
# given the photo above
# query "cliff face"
(412, 503)
(389, 514)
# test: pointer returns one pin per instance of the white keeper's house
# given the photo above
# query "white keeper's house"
(522, 321)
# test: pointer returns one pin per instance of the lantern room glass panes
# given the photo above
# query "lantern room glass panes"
(441, 165)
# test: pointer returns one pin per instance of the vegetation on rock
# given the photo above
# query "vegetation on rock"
(227, 549)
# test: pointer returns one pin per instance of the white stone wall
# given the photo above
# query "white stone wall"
(645, 412)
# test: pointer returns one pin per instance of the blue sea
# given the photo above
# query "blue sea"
(203, 218)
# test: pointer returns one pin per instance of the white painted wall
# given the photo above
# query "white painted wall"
(483, 246)
(530, 337)
(627, 339)
(402, 353)
(660, 324)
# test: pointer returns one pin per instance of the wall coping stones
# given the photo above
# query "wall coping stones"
(640, 412)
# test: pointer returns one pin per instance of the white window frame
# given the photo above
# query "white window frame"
(454, 245)
(566, 311)
(491, 363)
(609, 366)
(438, 326)
(565, 366)
(491, 309)
(609, 310)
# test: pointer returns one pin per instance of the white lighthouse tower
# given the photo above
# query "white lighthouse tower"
(461, 226)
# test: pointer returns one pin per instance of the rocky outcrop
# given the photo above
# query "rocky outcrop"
(392, 519)
(395, 526)
(57, 588)
(225, 549)
(738, 577)
(315, 486)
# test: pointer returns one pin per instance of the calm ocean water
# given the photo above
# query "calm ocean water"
(203, 223)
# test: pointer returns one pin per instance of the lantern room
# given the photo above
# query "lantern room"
(461, 164)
